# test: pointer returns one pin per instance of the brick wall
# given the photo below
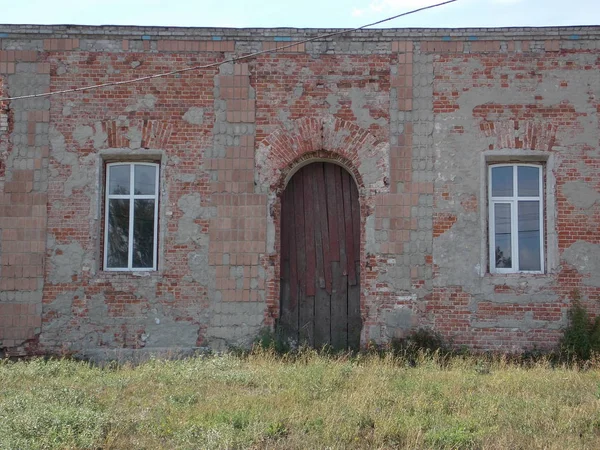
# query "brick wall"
(23, 197)
(413, 116)
(527, 97)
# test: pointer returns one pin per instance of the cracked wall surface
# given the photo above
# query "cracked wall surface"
(414, 116)
(504, 104)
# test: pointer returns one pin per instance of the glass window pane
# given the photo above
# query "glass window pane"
(502, 181)
(143, 234)
(119, 179)
(144, 180)
(117, 245)
(529, 236)
(528, 179)
(503, 252)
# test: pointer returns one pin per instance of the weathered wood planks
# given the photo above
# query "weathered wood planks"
(320, 258)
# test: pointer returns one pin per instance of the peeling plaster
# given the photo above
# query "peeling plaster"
(82, 168)
(580, 194)
(456, 252)
(66, 261)
(100, 137)
(68, 109)
(145, 103)
(358, 97)
(198, 262)
(134, 135)
(194, 116)
(399, 321)
(371, 245)
(82, 133)
(187, 229)
(527, 323)
(585, 257)
(333, 102)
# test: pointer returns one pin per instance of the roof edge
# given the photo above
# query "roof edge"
(8, 31)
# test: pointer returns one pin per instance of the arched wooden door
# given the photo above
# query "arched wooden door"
(320, 258)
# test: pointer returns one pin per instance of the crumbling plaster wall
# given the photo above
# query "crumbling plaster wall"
(534, 104)
(414, 117)
(86, 308)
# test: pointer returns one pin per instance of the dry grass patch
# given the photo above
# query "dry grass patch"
(306, 401)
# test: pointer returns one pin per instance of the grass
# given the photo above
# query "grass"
(306, 401)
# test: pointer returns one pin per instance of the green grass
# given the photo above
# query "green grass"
(307, 401)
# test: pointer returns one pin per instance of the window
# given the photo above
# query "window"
(516, 218)
(131, 216)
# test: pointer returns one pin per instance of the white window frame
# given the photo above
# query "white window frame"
(131, 197)
(514, 203)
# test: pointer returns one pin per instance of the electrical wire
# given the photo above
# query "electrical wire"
(234, 59)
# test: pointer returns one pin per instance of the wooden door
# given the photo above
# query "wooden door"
(320, 258)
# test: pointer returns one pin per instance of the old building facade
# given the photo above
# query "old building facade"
(350, 188)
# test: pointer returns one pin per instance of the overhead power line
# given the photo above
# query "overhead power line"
(234, 59)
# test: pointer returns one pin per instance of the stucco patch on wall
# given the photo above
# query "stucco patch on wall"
(146, 102)
(580, 194)
(585, 257)
(194, 116)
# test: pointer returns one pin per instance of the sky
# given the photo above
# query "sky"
(301, 14)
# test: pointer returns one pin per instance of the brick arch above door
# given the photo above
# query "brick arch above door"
(326, 139)
(353, 147)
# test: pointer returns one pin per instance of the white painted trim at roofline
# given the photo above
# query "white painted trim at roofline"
(520, 156)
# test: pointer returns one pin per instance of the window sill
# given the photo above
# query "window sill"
(517, 275)
(517, 280)
(126, 275)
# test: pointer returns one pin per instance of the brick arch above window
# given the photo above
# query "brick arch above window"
(323, 138)
(519, 134)
(133, 134)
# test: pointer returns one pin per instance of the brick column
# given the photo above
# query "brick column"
(403, 217)
(23, 198)
(238, 232)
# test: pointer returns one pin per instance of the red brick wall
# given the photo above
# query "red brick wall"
(409, 118)
(534, 105)
(73, 218)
